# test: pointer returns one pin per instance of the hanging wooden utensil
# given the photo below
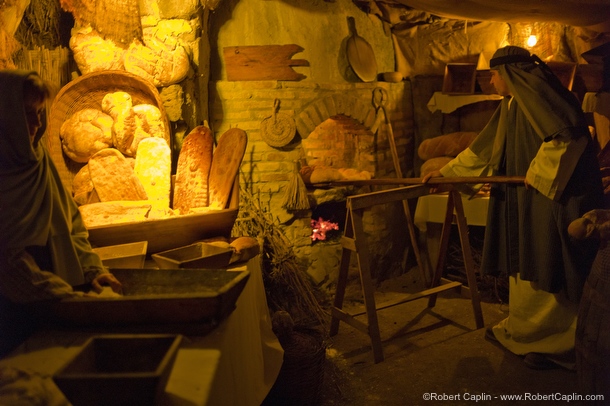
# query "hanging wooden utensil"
(278, 129)
(263, 62)
(360, 54)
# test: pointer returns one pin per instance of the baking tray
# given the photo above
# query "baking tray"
(184, 301)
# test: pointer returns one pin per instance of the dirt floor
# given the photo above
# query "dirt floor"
(434, 352)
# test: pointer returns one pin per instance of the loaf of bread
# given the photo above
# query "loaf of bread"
(119, 106)
(153, 168)
(114, 178)
(116, 103)
(84, 133)
(226, 162)
(124, 132)
(92, 53)
(150, 120)
(82, 187)
(244, 248)
(193, 170)
(160, 63)
(323, 173)
(445, 145)
(149, 123)
(434, 164)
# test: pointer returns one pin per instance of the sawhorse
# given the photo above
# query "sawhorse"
(354, 241)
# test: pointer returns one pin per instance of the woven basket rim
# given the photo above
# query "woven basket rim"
(85, 91)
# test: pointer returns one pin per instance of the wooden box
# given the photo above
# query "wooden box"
(172, 232)
(198, 255)
(459, 78)
(128, 256)
(121, 370)
(484, 85)
(183, 301)
(565, 71)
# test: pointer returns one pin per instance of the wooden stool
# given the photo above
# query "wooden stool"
(354, 241)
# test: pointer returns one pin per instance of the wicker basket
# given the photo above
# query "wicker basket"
(87, 92)
(301, 377)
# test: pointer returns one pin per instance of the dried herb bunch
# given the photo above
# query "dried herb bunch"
(288, 287)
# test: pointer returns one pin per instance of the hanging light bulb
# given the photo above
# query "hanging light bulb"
(531, 41)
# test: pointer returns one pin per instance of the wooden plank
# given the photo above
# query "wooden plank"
(339, 314)
(263, 62)
(468, 261)
(409, 297)
(365, 200)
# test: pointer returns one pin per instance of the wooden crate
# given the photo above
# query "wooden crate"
(459, 78)
(565, 71)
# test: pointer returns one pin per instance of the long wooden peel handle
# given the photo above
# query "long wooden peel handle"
(476, 179)
(418, 181)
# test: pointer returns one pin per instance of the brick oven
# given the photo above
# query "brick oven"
(335, 124)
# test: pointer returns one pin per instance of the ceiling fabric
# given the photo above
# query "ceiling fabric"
(571, 12)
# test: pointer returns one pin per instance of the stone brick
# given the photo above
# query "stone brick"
(299, 85)
(340, 103)
(303, 129)
(329, 103)
(314, 115)
(305, 120)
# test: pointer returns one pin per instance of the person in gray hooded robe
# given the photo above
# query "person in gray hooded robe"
(539, 132)
(44, 248)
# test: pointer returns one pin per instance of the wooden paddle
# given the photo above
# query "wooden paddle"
(418, 181)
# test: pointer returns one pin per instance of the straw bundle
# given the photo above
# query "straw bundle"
(287, 286)
(8, 45)
(52, 65)
(295, 194)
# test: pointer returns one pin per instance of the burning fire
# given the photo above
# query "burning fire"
(320, 227)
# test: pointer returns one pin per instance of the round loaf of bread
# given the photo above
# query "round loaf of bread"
(149, 119)
(84, 133)
(116, 103)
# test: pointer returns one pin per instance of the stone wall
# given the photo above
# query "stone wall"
(267, 170)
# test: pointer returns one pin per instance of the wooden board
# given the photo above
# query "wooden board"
(263, 62)
(171, 232)
(226, 162)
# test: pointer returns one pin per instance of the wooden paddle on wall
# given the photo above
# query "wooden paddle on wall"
(263, 62)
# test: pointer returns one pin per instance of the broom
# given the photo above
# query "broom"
(295, 194)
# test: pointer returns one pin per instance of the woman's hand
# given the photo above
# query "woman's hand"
(106, 279)
(433, 174)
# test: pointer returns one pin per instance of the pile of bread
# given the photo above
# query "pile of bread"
(160, 58)
(438, 151)
(127, 171)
